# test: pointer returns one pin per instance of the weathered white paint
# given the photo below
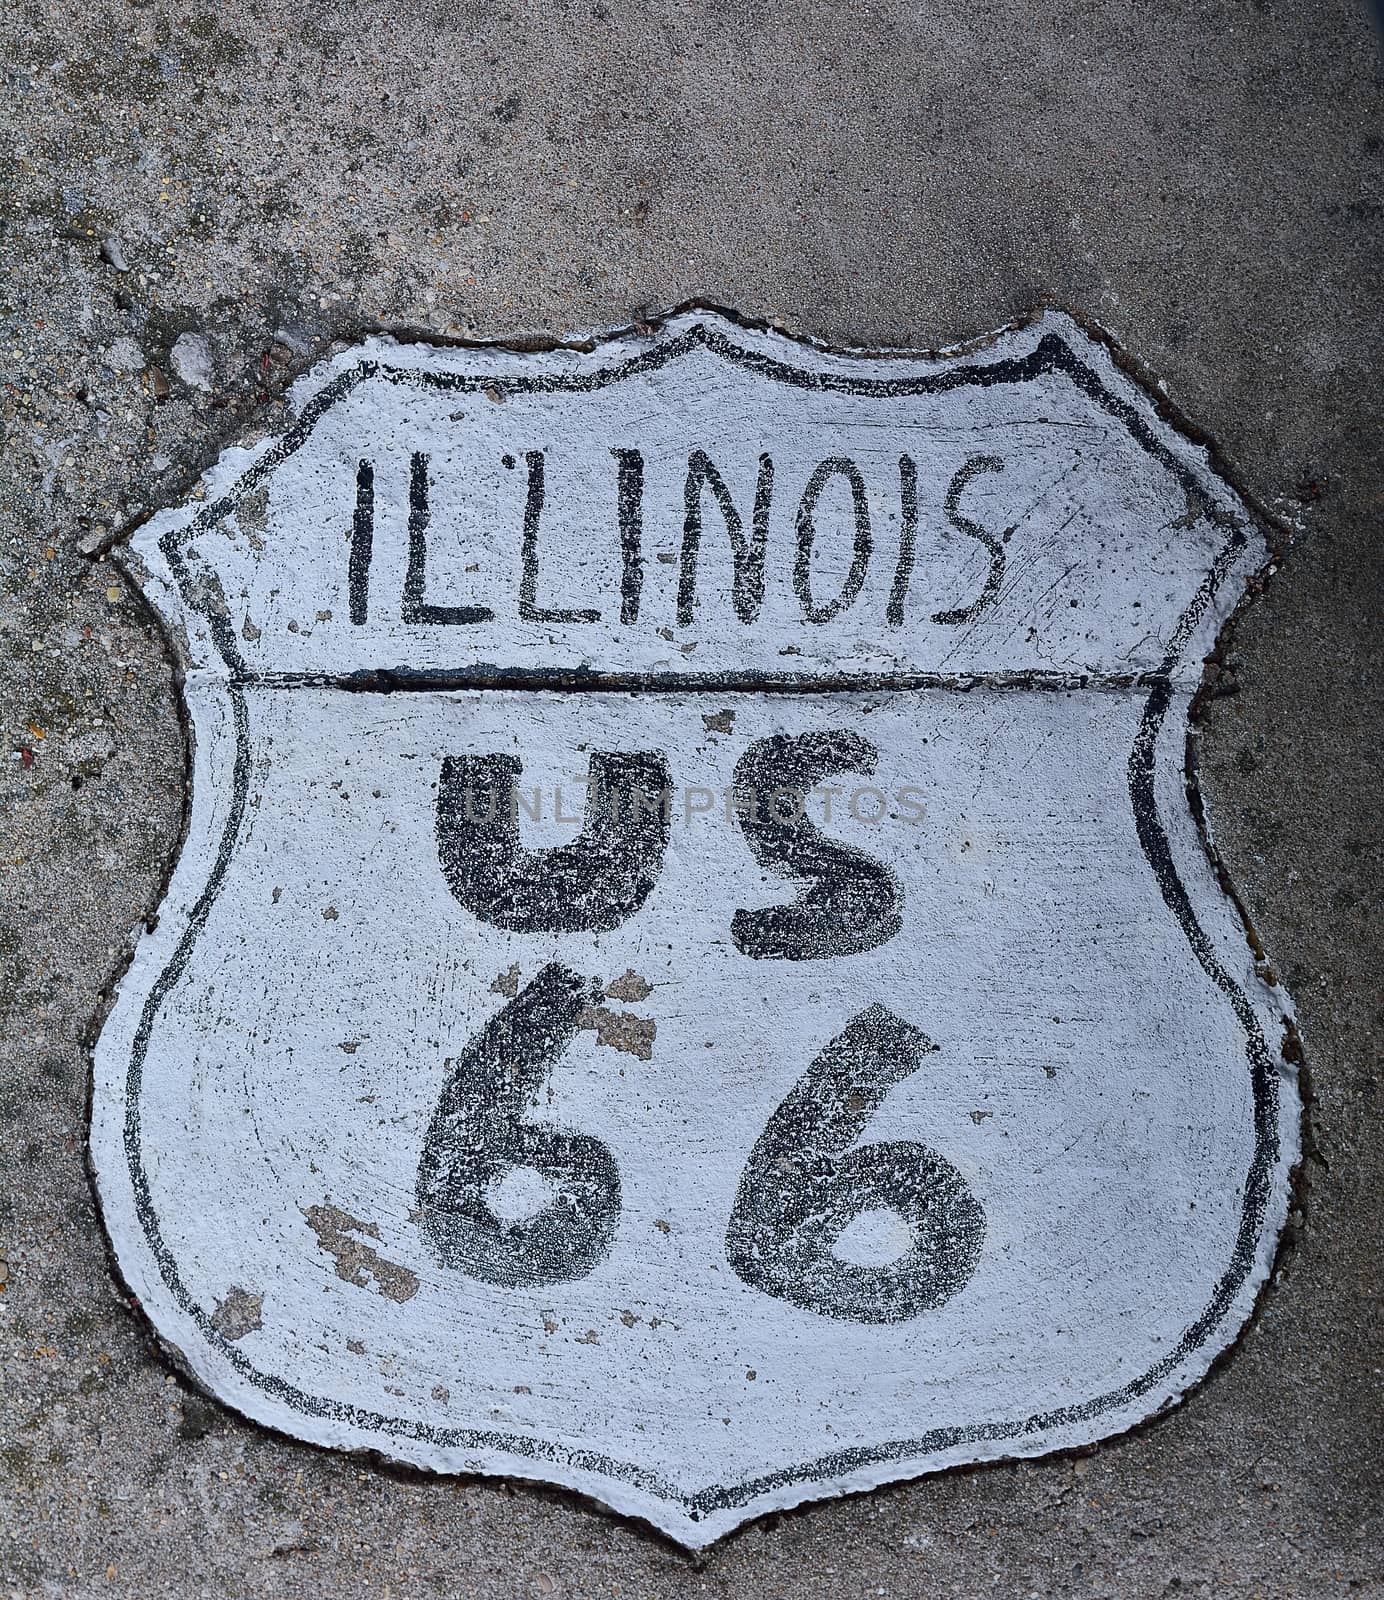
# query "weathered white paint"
(1107, 1081)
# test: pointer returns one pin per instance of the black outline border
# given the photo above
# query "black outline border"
(1051, 354)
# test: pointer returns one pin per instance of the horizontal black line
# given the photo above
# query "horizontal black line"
(406, 680)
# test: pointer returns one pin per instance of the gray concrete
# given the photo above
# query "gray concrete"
(1202, 180)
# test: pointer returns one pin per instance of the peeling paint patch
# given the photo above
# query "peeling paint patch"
(238, 1314)
(356, 1262)
(620, 1030)
(507, 983)
(253, 509)
(630, 988)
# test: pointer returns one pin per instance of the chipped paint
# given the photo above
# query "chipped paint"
(630, 986)
(620, 1030)
(238, 1314)
(356, 1261)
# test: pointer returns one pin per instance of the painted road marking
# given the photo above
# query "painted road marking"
(693, 974)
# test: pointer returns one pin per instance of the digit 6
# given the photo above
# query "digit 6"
(803, 1186)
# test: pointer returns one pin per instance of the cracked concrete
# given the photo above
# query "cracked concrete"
(194, 203)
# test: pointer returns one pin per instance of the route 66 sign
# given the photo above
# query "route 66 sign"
(693, 974)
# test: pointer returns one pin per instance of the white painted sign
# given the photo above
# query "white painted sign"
(693, 974)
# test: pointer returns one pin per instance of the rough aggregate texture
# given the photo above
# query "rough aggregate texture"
(1204, 181)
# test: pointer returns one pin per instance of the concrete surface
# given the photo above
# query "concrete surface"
(1202, 180)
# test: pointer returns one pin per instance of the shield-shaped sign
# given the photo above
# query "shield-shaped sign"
(694, 974)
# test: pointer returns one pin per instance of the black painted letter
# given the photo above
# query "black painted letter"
(804, 1185)
(594, 883)
(362, 544)
(529, 609)
(415, 607)
(837, 466)
(630, 502)
(851, 902)
(908, 539)
(991, 592)
(747, 580)
(477, 1138)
